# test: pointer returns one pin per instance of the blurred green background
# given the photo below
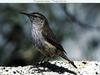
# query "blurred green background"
(76, 26)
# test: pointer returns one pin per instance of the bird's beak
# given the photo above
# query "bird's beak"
(24, 13)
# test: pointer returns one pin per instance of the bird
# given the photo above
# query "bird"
(44, 38)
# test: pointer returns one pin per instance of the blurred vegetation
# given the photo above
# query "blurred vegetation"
(75, 22)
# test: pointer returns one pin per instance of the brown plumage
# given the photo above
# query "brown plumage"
(44, 37)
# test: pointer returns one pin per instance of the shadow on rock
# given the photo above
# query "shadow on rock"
(54, 68)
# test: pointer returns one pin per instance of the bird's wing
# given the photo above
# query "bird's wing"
(49, 36)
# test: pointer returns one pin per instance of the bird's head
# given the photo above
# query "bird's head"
(36, 18)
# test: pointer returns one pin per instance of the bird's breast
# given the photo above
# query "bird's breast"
(44, 46)
(37, 37)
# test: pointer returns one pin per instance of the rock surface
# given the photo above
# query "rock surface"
(54, 68)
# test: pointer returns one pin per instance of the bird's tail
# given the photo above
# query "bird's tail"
(66, 58)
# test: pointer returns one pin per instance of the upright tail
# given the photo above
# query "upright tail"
(66, 58)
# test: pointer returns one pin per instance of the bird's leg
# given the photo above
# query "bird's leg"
(46, 63)
(39, 63)
(42, 59)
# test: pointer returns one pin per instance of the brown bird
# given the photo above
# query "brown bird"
(44, 38)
